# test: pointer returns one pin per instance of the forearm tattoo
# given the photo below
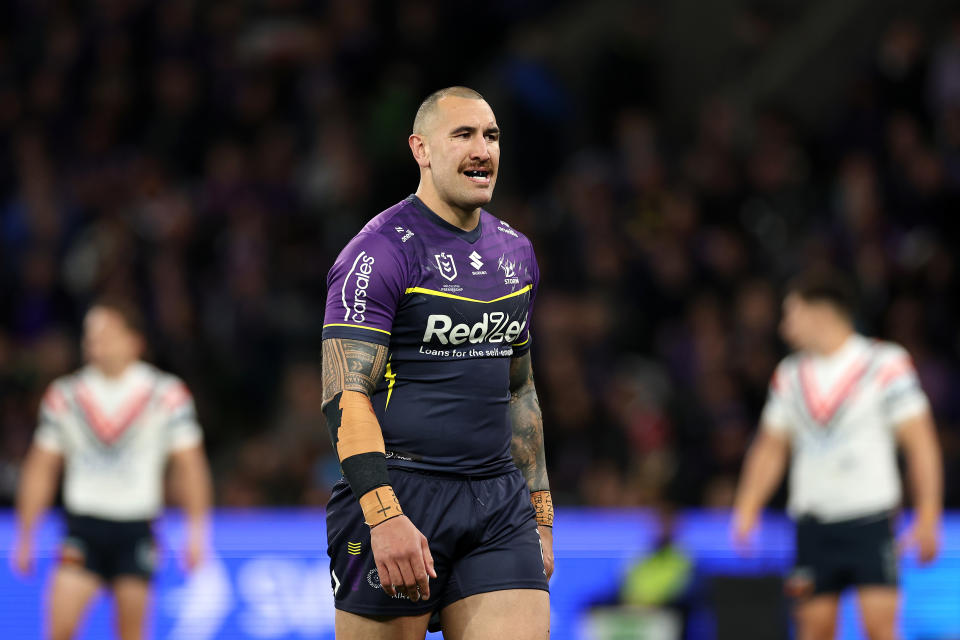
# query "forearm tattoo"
(526, 446)
(351, 365)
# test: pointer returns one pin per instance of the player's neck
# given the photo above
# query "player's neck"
(833, 340)
(114, 370)
(460, 218)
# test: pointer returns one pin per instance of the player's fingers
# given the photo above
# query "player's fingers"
(23, 562)
(734, 536)
(740, 533)
(928, 551)
(397, 585)
(194, 558)
(409, 581)
(904, 542)
(386, 579)
(427, 556)
(420, 574)
(741, 542)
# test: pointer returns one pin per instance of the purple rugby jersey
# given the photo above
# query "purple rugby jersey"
(453, 307)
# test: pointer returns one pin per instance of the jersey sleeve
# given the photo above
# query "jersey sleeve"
(521, 344)
(182, 430)
(903, 397)
(776, 416)
(364, 287)
(53, 410)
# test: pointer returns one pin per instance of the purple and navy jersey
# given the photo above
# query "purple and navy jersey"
(453, 307)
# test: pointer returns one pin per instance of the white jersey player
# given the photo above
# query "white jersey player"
(112, 426)
(838, 407)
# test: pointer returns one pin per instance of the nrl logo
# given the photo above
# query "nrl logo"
(446, 266)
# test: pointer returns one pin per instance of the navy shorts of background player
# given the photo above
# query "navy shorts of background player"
(453, 307)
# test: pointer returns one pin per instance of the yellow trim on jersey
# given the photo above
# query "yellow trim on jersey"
(520, 344)
(355, 326)
(392, 380)
(442, 294)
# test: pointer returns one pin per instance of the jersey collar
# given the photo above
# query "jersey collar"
(470, 236)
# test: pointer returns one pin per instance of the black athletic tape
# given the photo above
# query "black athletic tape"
(365, 472)
(334, 416)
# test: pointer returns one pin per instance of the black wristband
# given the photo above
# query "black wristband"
(365, 472)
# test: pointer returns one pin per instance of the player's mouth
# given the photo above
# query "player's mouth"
(478, 176)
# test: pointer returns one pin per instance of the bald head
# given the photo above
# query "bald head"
(429, 106)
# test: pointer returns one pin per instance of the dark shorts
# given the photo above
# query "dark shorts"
(832, 556)
(482, 535)
(109, 548)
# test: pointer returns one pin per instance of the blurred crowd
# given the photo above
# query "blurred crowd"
(210, 159)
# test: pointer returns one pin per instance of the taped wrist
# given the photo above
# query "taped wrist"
(358, 441)
(543, 506)
(379, 505)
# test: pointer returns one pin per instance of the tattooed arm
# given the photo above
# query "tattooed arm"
(351, 369)
(526, 447)
(351, 365)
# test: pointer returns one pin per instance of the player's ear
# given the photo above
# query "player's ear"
(418, 146)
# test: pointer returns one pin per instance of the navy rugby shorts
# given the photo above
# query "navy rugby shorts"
(109, 548)
(832, 556)
(482, 534)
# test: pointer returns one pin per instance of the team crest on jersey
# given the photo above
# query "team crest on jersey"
(446, 266)
(509, 268)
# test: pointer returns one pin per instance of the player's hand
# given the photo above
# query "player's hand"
(195, 553)
(546, 548)
(742, 529)
(924, 536)
(22, 559)
(403, 558)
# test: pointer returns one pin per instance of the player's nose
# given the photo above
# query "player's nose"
(479, 149)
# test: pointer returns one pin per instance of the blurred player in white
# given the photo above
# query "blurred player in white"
(112, 426)
(838, 407)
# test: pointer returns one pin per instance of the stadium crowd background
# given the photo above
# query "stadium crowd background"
(210, 159)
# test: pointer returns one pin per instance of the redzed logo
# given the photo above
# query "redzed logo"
(494, 327)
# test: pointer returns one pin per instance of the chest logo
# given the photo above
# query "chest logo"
(824, 407)
(509, 268)
(446, 266)
(110, 428)
(477, 263)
